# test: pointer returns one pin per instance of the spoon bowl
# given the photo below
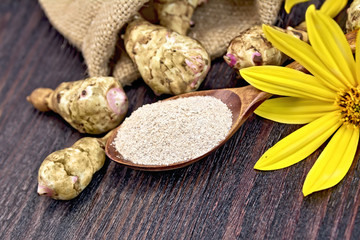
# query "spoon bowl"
(241, 101)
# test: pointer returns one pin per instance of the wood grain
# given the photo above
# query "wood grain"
(219, 197)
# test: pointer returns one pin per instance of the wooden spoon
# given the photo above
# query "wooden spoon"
(241, 101)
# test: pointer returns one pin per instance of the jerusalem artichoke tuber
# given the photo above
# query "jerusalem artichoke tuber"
(176, 14)
(353, 20)
(94, 105)
(251, 48)
(65, 173)
(168, 62)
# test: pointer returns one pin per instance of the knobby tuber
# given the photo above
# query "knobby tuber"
(168, 62)
(176, 14)
(251, 48)
(353, 20)
(94, 105)
(65, 173)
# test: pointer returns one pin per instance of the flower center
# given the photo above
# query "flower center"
(349, 104)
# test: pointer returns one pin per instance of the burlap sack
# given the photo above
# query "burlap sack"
(93, 26)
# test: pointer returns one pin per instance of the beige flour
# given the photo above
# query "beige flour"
(173, 131)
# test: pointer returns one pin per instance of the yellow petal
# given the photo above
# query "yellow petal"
(300, 144)
(333, 7)
(290, 3)
(334, 162)
(287, 82)
(294, 110)
(330, 45)
(357, 55)
(304, 54)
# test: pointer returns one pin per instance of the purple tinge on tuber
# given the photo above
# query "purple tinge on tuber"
(74, 179)
(257, 59)
(45, 191)
(197, 65)
(230, 59)
(117, 100)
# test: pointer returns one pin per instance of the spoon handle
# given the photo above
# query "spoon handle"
(105, 138)
(250, 98)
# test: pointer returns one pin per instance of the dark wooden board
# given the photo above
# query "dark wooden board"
(220, 197)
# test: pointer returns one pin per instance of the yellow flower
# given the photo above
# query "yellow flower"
(328, 100)
(329, 7)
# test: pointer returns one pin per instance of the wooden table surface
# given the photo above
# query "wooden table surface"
(220, 197)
